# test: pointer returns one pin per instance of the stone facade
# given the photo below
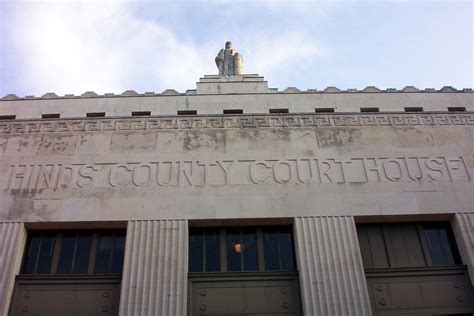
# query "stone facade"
(160, 171)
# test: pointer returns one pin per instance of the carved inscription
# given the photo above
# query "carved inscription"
(226, 172)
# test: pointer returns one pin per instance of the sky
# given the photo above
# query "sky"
(69, 47)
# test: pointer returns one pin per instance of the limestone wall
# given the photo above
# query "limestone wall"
(237, 166)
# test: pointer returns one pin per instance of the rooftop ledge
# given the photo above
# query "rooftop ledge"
(238, 84)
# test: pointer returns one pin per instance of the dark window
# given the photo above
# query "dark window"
(204, 250)
(404, 245)
(187, 112)
(364, 110)
(275, 111)
(440, 243)
(196, 250)
(45, 254)
(95, 114)
(233, 111)
(7, 117)
(109, 253)
(414, 109)
(39, 253)
(241, 249)
(141, 113)
(324, 110)
(50, 116)
(456, 108)
(74, 252)
(278, 245)
(212, 244)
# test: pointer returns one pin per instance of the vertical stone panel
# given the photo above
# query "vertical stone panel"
(154, 278)
(463, 226)
(330, 266)
(11, 241)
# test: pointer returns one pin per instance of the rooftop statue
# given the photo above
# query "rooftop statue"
(229, 62)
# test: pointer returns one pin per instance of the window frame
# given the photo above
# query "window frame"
(259, 232)
(58, 236)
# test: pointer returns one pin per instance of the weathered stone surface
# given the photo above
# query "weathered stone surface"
(193, 167)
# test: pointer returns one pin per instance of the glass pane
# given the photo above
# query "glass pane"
(67, 252)
(83, 250)
(439, 247)
(249, 249)
(287, 255)
(212, 251)
(117, 257)
(32, 253)
(270, 244)
(446, 246)
(46, 253)
(104, 251)
(234, 249)
(196, 251)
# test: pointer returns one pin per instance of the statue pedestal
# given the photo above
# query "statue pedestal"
(237, 84)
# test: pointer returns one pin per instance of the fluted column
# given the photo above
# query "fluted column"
(463, 226)
(154, 278)
(12, 236)
(330, 266)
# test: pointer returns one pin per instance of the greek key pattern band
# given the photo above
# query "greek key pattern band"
(233, 122)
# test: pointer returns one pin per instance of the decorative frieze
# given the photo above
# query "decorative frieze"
(234, 122)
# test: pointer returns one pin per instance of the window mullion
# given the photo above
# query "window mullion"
(260, 250)
(424, 245)
(111, 257)
(95, 237)
(38, 255)
(56, 252)
(280, 264)
(74, 252)
(242, 268)
(204, 251)
(387, 252)
(223, 250)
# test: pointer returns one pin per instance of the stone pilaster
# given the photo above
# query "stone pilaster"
(463, 226)
(154, 278)
(330, 266)
(12, 238)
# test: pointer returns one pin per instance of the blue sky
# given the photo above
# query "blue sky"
(110, 46)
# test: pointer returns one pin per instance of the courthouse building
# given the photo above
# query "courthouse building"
(238, 199)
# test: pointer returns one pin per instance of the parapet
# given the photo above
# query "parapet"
(241, 84)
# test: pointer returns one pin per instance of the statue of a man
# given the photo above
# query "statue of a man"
(229, 62)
